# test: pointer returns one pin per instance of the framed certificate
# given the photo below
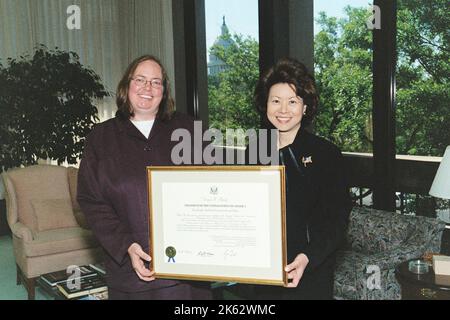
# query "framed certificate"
(218, 223)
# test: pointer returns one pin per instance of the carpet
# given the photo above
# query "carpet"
(8, 288)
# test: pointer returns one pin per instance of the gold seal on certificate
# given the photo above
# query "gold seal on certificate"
(171, 252)
(227, 223)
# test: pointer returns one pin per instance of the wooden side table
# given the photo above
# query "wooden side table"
(422, 286)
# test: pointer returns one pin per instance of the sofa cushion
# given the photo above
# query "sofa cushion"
(37, 182)
(373, 231)
(53, 214)
(356, 278)
(58, 241)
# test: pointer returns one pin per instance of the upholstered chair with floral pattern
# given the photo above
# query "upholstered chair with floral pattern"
(377, 241)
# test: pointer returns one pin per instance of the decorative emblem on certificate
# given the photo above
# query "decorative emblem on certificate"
(213, 190)
(171, 253)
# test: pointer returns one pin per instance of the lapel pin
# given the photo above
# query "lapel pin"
(306, 160)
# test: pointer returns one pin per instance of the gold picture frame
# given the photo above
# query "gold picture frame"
(218, 223)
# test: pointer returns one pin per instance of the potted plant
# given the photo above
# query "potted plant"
(46, 107)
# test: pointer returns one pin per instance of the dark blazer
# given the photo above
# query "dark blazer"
(317, 209)
(112, 191)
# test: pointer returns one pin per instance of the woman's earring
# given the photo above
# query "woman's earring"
(304, 110)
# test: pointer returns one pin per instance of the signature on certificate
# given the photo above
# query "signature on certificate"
(205, 254)
(229, 253)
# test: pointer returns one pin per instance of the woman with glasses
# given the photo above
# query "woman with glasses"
(112, 189)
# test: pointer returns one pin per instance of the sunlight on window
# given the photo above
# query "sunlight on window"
(233, 63)
(343, 70)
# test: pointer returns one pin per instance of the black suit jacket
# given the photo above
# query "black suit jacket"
(112, 191)
(317, 210)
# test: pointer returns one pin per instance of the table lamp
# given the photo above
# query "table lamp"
(441, 183)
(441, 189)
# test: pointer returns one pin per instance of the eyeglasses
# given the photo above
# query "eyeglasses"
(142, 82)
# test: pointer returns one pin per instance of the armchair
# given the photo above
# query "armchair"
(381, 240)
(45, 222)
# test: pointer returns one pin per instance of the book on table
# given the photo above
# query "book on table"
(103, 295)
(86, 286)
(55, 278)
(99, 267)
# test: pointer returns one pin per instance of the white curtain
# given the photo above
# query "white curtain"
(112, 34)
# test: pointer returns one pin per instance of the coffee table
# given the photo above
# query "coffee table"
(54, 292)
(426, 286)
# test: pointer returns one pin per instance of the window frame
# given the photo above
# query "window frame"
(382, 171)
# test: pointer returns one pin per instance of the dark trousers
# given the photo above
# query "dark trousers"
(317, 285)
(181, 291)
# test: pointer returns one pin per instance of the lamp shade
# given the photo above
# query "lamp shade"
(441, 184)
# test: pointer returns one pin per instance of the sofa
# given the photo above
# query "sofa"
(377, 241)
(49, 232)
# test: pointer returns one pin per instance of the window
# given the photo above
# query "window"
(343, 70)
(422, 98)
(423, 77)
(343, 58)
(233, 64)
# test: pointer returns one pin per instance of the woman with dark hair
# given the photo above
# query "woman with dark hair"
(317, 198)
(112, 189)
